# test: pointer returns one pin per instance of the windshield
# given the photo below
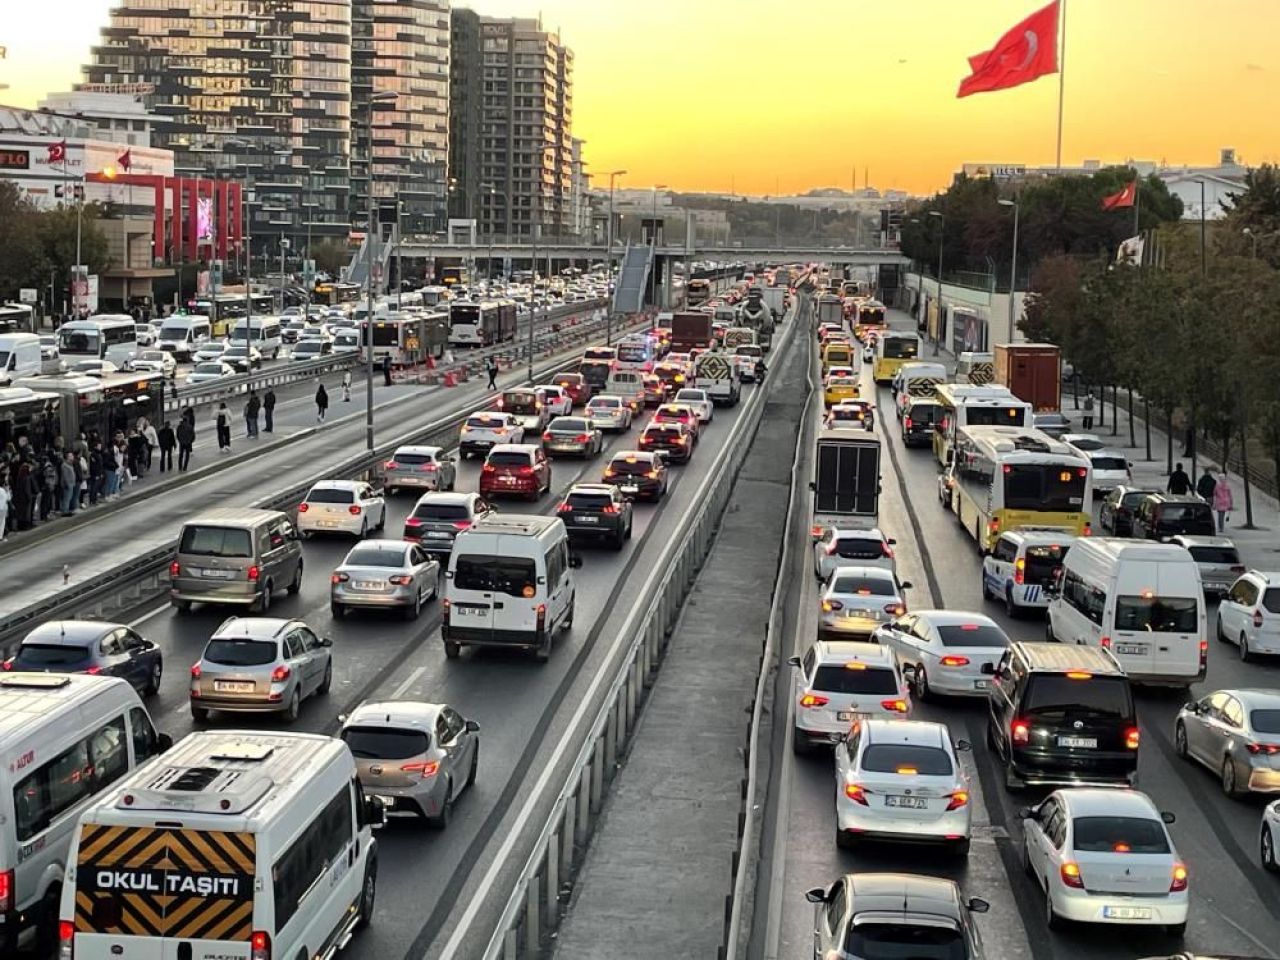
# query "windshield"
(633, 352)
(404, 458)
(82, 342)
(441, 511)
(509, 458)
(215, 542)
(1224, 555)
(1044, 487)
(897, 348)
(207, 368)
(901, 941)
(1157, 614)
(308, 346)
(520, 402)
(514, 576)
(240, 652)
(1110, 463)
(972, 635)
(1043, 561)
(170, 332)
(895, 757)
(842, 679)
(380, 743)
(376, 555)
(43, 655)
(629, 466)
(1052, 694)
(564, 425)
(1119, 835)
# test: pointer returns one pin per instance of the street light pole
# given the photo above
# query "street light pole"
(653, 246)
(608, 330)
(370, 239)
(1248, 232)
(1013, 269)
(942, 232)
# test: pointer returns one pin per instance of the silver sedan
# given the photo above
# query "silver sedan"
(575, 435)
(384, 573)
(1236, 734)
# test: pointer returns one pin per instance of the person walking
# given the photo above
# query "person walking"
(346, 387)
(188, 415)
(1088, 410)
(322, 403)
(491, 368)
(269, 410)
(136, 453)
(1179, 483)
(251, 414)
(49, 477)
(1205, 485)
(1222, 500)
(224, 428)
(152, 438)
(168, 440)
(186, 440)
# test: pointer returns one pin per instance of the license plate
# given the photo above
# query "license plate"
(1127, 913)
(507, 479)
(1133, 649)
(588, 519)
(846, 715)
(980, 684)
(437, 535)
(862, 614)
(369, 585)
(233, 686)
(630, 488)
(328, 523)
(467, 612)
(1083, 743)
(907, 803)
(217, 574)
(387, 802)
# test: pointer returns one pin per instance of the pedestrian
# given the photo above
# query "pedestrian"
(1222, 501)
(491, 368)
(135, 454)
(251, 409)
(24, 493)
(152, 439)
(346, 387)
(96, 482)
(5, 498)
(82, 478)
(1205, 485)
(224, 428)
(1088, 410)
(168, 440)
(1179, 482)
(68, 484)
(269, 409)
(110, 472)
(186, 440)
(50, 475)
(322, 403)
(386, 369)
(188, 415)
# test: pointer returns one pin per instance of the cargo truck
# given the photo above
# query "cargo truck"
(1032, 372)
(690, 331)
(776, 298)
(846, 481)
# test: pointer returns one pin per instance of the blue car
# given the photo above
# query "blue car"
(91, 646)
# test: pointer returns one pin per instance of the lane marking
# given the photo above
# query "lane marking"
(134, 624)
(409, 681)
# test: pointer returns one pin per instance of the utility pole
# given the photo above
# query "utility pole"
(371, 240)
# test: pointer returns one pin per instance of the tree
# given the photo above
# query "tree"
(1053, 301)
(22, 258)
(57, 233)
(330, 256)
(1256, 209)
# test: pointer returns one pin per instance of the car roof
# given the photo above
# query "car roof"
(257, 628)
(414, 448)
(1255, 697)
(1040, 536)
(1105, 452)
(871, 533)
(636, 454)
(611, 397)
(925, 733)
(1059, 657)
(844, 650)
(70, 632)
(528, 448)
(954, 618)
(1108, 802)
(337, 484)
(416, 714)
(871, 573)
(1191, 540)
(462, 498)
(904, 893)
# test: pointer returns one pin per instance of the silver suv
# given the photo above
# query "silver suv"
(260, 665)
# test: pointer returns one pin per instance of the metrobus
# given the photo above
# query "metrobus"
(108, 336)
(870, 318)
(636, 353)
(697, 291)
(965, 405)
(400, 336)
(893, 349)
(225, 309)
(481, 323)
(29, 413)
(1008, 478)
(336, 294)
(103, 404)
(454, 276)
(431, 296)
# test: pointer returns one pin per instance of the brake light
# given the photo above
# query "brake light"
(886, 550)
(488, 468)
(564, 508)
(525, 471)
(957, 800)
(955, 661)
(500, 431)
(254, 573)
(894, 706)
(1131, 738)
(1020, 732)
(855, 793)
(339, 578)
(303, 507)
(260, 946)
(1070, 873)
(652, 474)
(1257, 618)
(611, 509)
(425, 768)
(1180, 876)
(7, 665)
(895, 609)
(1088, 529)
(1268, 748)
(461, 524)
(281, 673)
(175, 569)
(994, 525)
(1104, 642)
(829, 605)
(546, 437)
(1019, 570)
(427, 468)
(354, 509)
(1078, 675)
(390, 465)
(6, 891)
(906, 423)
(400, 580)
(813, 700)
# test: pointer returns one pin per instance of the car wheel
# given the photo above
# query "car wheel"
(296, 586)
(452, 650)
(630, 523)
(182, 606)
(264, 599)
(1051, 918)
(1267, 850)
(337, 610)
(620, 540)
(1229, 784)
(1222, 637)
(986, 591)
(441, 820)
(1245, 653)
(47, 929)
(1176, 930)
(327, 683)
(1025, 857)
(920, 684)
(1010, 607)
(368, 893)
(153, 681)
(1048, 630)
(291, 711)
(475, 766)
(414, 610)
(799, 744)
(960, 849)
(844, 839)
(199, 714)
(364, 530)
(1180, 740)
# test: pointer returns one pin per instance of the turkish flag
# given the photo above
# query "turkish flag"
(1124, 198)
(1027, 51)
(125, 160)
(57, 152)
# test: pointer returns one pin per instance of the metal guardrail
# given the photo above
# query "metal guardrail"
(534, 907)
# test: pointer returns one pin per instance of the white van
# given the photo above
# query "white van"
(267, 845)
(104, 336)
(916, 379)
(1142, 601)
(627, 384)
(19, 357)
(64, 738)
(182, 336)
(261, 332)
(510, 584)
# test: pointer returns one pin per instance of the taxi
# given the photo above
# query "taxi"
(836, 389)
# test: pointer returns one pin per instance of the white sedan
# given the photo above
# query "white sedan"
(941, 651)
(1105, 856)
(155, 361)
(555, 400)
(699, 400)
(901, 780)
(208, 351)
(342, 506)
(210, 370)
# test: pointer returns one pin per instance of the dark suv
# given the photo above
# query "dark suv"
(638, 475)
(1062, 716)
(1115, 515)
(920, 418)
(673, 439)
(1160, 515)
(596, 511)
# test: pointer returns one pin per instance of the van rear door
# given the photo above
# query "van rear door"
(1159, 613)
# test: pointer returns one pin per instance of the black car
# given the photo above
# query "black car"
(1115, 514)
(638, 474)
(1062, 715)
(1160, 515)
(919, 420)
(90, 646)
(673, 439)
(596, 511)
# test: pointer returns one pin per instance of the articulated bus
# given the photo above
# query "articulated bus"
(481, 323)
(893, 349)
(1008, 478)
(225, 309)
(964, 405)
(870, 319)
(336, 294)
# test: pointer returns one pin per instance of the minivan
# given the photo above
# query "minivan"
(19, 357)
(629, 385)
(262, 332)
(181, 336)
(510, 584)
(1062, 716)
(1142, 602)
(235, 556)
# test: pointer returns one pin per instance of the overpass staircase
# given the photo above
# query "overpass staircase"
(633, 277)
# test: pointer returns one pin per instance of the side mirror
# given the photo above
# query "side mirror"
(963, 745)
(374, 812)
(892, 542)
(906, 585)
(812, 485)
(988, 668)
(1026, 813)
(794, 661)
(575, 560)
(342, 717)
(473, 727)
(1193, 706)
(816, 895)
(1167, 816)
(448, 574)
(164, 741)
(978, 905)
(909, 672)
(326, 642)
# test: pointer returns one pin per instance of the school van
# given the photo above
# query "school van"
(1142, 601)
(64, 739)
(183, 336)
(510, 584)
(19, 357)
(236, 845)
(261, 332)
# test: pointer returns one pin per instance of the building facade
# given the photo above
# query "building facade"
(466, 93)
(401, 46)
(257, 91)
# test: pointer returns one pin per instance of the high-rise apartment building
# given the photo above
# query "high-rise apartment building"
(466, 92)
(252, 90)
(401, 46)
(520, 101)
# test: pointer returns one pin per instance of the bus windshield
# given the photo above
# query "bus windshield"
(1044, 487)
(386, 335)
(463, 314)
(896, 348)
(995, 416)
(79, 342)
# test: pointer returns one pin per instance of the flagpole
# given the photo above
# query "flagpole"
(1137, 202)
(1062, 72)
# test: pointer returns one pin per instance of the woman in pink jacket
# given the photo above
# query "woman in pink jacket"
(1222, 501)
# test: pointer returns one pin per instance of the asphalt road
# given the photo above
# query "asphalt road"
(1234, 903)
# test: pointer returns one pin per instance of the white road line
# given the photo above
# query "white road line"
(149, 614)
(409, 681)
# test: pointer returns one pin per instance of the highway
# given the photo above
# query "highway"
(1235, 909)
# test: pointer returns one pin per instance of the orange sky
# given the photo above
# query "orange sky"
(714, 95)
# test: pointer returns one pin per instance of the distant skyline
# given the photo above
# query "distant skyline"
(751, 98)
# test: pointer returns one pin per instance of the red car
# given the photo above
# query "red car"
(520, 469)
(576, 386)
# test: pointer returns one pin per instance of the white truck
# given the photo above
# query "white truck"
(716, 373)
(776, 298)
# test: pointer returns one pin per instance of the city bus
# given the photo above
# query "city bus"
(697, 291)
(870, 319)
(1009, 478)
(893, 349)
(400, 336)
(336, 294)
(965, 405)
(225, 309)
(481, 323)
(454, 276)
(108, 336)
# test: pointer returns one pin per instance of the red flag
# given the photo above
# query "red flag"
(125, 160)
(1027, 51)
(57, 152)
(1124, 198)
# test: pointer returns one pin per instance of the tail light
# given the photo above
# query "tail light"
(1070, 873)
(856, 793)
(304, 507)
(427, 468)
(1204, 654)
(354, 509)
(1267, 748)
(894, 706)
(66, 938)
(461, 524)
(339, 578)
(424, 769)
(895, 609)
(390, 465)
(254, 573)
(542, 616)
(488, 468)
(829, 605)
(957, 800)
(583, 438)
(652, 474)
(906, 423)
(1132, 736)
(195, 671)
(7, 894)
(815, 531)
(955, 661)
(1088, 529)
(813, 700)
(260, 945)
(1020, 570)
(546, 437)
(1178, 883)
(994, 525)
(1104, 642)
(412, 522)
(524, 471)
(280, 674)
(609, 471)
(564, 508)
(886, 550)
(400, 580)
(1020, 732)
(611, 510)
(175, 569)
(94, 670)
(500, 431)
(7, 665)
(1257, 618)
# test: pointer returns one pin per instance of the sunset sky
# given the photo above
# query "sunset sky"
(760, 96)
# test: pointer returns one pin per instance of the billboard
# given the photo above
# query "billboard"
(204, 220)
